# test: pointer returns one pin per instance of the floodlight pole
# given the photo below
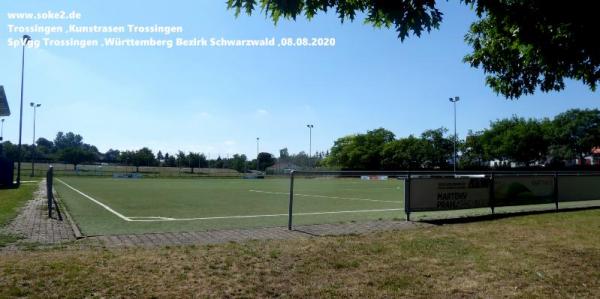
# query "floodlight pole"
(2, 130)
(310, 127)
(26, 39)
(257, 154)
(454, 100)
(35, 106)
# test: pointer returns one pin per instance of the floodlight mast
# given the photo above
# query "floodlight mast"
(26, 39)
(454, 100)
(2, 130)
(257, 154)
(310, 127)
(35, 106)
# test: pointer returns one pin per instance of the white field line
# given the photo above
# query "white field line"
(97, 202)
(137, 218)
(324, 196)
(154, 219)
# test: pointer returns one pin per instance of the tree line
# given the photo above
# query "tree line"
(69, 148)
(522, 142)
(555, 142)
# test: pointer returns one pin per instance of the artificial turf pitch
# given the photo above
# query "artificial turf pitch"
(105, 206)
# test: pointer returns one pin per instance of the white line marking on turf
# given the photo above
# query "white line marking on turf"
(154, 219)
(324, 196)
(137, 218)
(97, 202)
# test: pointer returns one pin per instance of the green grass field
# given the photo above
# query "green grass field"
(119, 206)
(105, 206)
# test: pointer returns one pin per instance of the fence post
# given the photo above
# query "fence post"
(49, 177)
(492, 193)
(407, 196)
(291, 203)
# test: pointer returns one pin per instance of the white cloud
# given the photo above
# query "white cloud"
(262, 113)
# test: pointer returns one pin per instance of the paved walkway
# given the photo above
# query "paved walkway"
(35, 227)
(33, 223)
(239, 235)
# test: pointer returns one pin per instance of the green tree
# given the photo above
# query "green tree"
(69, 140)
(516, 139)
(574, 133)
(143, 157)
(437, 149)
(265, 160)
(520, 44)
(238, 162)
(44, 149)
(170, 160)
(218, 163)
(361, 151)
(193, 160)
(181, 159)
(112, 156)
(71, 149)
(405, 153)
(473, 152)
(196, 160)
(126, 157)
(44, 145)
(76, 156)
(10, 150)
(526, 44)
(405, 15)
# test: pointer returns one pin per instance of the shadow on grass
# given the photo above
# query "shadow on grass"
(489, 217)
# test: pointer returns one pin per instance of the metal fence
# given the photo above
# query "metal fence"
(448, 190)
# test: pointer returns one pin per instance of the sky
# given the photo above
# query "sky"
(218, 100)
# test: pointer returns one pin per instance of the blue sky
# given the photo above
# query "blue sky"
(218, 100)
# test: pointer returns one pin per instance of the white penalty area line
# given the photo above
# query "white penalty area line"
(324, 196)
(96, 201)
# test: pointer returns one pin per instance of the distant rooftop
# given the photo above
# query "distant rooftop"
(4, 110)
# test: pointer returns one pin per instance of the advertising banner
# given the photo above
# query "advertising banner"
(523, 190)
(431, 194)
(577, 188)
(374, 177)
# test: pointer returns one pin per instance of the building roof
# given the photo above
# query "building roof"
(4, 110)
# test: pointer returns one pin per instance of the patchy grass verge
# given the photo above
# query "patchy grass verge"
(11, 200)
(548, 255)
